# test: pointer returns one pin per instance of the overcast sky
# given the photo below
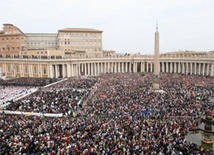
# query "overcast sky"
(127, 25)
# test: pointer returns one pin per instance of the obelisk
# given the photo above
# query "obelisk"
(156, 85)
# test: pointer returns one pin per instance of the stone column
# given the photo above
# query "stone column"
(203, 68)
(183, 68)
(101, 67)
(85, 69)
(179, 67)
(212, 70)
(41, 70)
(51, 75)
(30, 70)
(72, 69)
(162, 67)
(108, 67)
(122, 67)
(167, 69)
(115, 67)
(98, 68)
(104, 68)
(187, 68)
(119, 69)
(195, 66)
(175, 67)
(170, 67)
(56, 70)
(135, 67)
(22, 70)
(92, 68)
(147, 66)
(199, 69)
(143, 67)
(191, 68)
(63, 71)
(208, 69)
(95, 68)
(111, 67)
(69, 70)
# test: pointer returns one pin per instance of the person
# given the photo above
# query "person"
(113, 120)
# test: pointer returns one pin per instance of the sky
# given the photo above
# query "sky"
(128, 25)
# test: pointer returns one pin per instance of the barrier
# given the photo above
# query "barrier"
(31, 113)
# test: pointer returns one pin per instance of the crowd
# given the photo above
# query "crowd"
(7, 93)
(64, 97)
(28, 81)
(124, 116)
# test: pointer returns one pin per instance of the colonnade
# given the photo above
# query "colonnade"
(21, 69)
(95, 68)
(197, 68)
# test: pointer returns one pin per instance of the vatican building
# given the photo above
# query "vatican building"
(79, 52)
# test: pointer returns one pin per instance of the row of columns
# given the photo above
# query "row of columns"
(23, 69)
(96, 68)
(196, 68)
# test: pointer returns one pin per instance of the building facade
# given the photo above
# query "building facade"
(80, 41)
(19, 66)
(41, 41)
(67, 42)
(12, 40)
(78, 52)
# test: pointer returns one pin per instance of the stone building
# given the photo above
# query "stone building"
(67, 42)
(79, 52)
(12, 40)
(80, 41)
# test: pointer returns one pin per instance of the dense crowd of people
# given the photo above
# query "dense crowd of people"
(123, 116)
(64, 97)
(11, 91)
(28, 81)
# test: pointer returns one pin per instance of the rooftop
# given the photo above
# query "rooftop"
(79, 30)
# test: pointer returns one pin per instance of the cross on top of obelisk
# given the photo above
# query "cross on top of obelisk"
(156, 25)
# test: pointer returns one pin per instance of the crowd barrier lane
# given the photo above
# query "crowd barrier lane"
(54, 83)
(30, 113)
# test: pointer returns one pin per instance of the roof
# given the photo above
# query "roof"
(40, 34)
(79, 30)
(8, 24)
